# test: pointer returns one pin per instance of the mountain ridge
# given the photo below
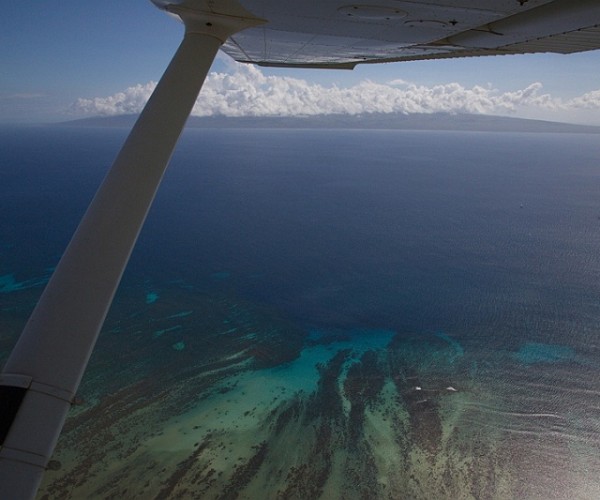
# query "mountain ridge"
(374, 121)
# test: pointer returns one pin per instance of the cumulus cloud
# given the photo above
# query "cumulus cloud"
(591, 100)
(131, 100)
(247, 91)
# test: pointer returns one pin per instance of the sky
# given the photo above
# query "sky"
(72, 59)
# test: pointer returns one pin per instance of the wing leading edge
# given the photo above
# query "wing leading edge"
(337, 34)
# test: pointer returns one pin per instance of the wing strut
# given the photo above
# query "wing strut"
(40, 379)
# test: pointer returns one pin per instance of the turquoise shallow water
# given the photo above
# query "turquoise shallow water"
(544, 353)
(381, 315)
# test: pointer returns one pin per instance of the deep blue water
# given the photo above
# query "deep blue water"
(487, 240)
(412, 230)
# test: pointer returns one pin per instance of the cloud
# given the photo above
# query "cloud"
(591, 100)
(398, 82)
(130, 101)
(246, 91)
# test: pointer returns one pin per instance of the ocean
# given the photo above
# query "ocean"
(328, 314)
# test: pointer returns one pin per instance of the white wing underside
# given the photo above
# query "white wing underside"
(338, 34)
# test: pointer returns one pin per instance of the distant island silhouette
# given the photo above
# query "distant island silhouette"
(383, 121)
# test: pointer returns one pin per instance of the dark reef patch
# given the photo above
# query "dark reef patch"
(362, 385)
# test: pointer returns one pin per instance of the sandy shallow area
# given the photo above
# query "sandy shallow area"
(196, 396)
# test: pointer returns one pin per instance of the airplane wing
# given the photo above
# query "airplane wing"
(339, 34)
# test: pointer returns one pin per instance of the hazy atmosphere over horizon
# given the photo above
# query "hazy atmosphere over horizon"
(104, 59)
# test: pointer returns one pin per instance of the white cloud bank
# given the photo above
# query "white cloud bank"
(248, 92)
